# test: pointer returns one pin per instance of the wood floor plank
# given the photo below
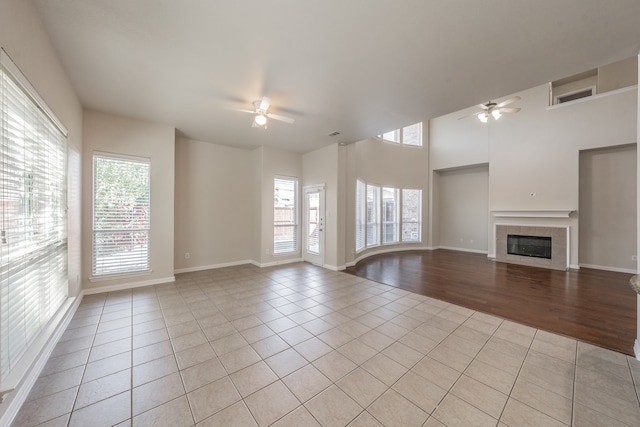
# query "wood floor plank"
(595, 306)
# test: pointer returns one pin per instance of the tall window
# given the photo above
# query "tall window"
(410, 135)
(411, 215)
(33, 222)
(361, 214)
(373, 215)
(390, 215)
(285, 215)
(121, 208)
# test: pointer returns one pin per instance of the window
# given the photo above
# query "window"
(361, 214)
(390, 211)
(285, 215)
(410, 135)
(390, 215)
(33, 227)
(411, 215)
(121, 215)
(373, 215)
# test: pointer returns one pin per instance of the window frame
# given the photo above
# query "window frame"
(401, 140)
(393, 223)
(145, 260)
(296, 217)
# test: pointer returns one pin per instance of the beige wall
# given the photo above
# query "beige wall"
(462, 205)
(389, 165)
(536, 150)
(25, 41)
(608, 207)
(271, 163)
(618, 75)
(323, 167)
(120, 135)
(213, 205)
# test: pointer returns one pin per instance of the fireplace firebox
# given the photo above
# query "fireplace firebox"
(531, 246)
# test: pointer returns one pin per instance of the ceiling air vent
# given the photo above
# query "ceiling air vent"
(332, 134)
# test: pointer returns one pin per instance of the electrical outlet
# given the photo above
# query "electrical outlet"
(634, 257)
(187, 255)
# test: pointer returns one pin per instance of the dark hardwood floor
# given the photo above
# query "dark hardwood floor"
(595, 306)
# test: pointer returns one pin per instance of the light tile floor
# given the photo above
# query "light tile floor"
(298, 345)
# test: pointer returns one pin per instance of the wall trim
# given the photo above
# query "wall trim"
(474, 251)
(273, 263)
(636, 349)
(22, 390)
(128, 285)
(334, 268)
(212, 266)
(384, 251)
(606, 268)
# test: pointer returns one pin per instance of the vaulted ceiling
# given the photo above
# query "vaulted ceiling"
(360, 67)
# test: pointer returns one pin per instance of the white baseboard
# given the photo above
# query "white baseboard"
(334, 268)
(212, 266)
(385, 251)
(473, 251)
(606, 268)
(636, 349)
(128, 285)
(17, 398)
(274, 263)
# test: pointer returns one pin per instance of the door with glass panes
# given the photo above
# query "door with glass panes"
(313, 242)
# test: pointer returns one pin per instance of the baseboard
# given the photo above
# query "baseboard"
(274, 263)
(491, 256)
(636, 349)
(334, 268)
(128, 285)
(212, 266)
(473, 251)
(22, 390)
(385, 251)
(605, 268)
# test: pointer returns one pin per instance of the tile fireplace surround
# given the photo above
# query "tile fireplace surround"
(559, 245)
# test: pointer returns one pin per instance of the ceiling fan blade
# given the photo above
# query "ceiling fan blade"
(264, 104)
(242, 110)
(483, 106)
(509, 110)
(281, 118)
(470, 115)
(508, 101)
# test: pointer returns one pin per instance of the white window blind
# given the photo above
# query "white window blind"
(373, 215)
(121, 215)
(285, 215)
(411, 215)
(33, 223)
(390, 213)
(361, 214)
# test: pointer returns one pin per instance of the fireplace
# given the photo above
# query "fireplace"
(532, 246)
(537, 246)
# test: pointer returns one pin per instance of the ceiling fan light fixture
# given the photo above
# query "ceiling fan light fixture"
(483, 117)
(496, 114)
(261, 120)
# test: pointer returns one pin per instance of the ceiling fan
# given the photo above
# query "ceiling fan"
(261, 112)
(494, 110)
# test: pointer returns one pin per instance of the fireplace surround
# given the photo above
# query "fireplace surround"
(535, 254)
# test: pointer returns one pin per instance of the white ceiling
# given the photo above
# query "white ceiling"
(360, 67)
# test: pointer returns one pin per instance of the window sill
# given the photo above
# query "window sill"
(116, 276)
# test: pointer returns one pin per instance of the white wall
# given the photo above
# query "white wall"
(385, 164)
(536, 150)
(607, 212)
(213, 205)
(463, 211)
(120, 135)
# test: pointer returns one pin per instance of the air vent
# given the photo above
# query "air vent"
(576, 95)
(332, 134)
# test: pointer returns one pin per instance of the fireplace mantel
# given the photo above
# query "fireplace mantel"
(523, 213)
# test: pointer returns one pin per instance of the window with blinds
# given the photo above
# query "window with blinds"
(285, 215)
(411, 215)
(390, 215)
(121, 208)
(373, 215)
(361, 214)
(33, 222)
